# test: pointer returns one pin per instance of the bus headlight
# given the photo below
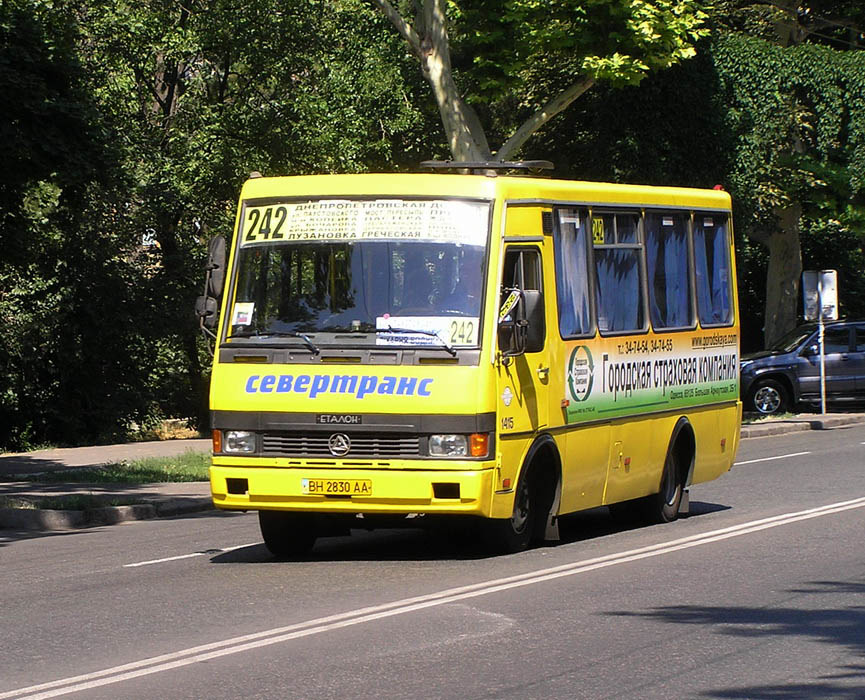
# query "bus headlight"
(238, 441)
(451, 445)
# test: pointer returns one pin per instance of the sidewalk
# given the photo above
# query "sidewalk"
(169, 499)
(800, 422)
(156, 500)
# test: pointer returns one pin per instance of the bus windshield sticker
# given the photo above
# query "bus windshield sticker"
(509, 305)
(242, 315)
(598, 235)
(432, 330)
(337, 220)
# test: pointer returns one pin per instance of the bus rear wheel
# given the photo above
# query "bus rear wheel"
(664, 506)
(661, 507)
(286, 534)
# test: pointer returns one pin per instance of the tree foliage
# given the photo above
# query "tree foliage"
(141, 120)
(796, 121)
(526, 61)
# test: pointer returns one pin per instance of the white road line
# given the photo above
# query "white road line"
(277, 635)
(768, 459)
(188, 556)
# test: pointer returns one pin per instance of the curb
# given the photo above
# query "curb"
(35, 519)
(799, 425)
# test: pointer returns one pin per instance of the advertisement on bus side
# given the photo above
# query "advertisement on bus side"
(623, 376)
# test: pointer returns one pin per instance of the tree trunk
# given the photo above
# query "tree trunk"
(783, 274)
(466, 137)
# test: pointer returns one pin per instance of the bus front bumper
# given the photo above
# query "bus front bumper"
(342, 490)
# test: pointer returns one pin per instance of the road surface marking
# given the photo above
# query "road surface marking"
(205, 553)
(277, 635)
(767, 459)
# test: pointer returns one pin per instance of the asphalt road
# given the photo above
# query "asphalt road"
(760, 593)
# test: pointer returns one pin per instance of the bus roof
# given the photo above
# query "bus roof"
(511, 189)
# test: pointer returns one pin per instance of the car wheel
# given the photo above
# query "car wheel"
(769, 397)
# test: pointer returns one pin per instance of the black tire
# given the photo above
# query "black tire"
(287, 535)
(664, 506)
(769, 397)
(514, 534)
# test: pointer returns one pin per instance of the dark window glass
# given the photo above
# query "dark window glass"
(836, 340)
(618, 289)
(618, 272)
(522, 269)
(572, 265)
(860, 338)
(712, 258)
(668, 268)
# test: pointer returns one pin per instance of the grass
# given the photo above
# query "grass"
(190, 466)
(71, 502)
(749, 418)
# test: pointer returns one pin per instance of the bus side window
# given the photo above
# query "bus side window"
(713, 273)
(668, 261)
(618, 272)
(571, 239)
(523, 269)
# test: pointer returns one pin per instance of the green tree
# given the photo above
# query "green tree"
(139, 120)
(53, 147)
(796, 118)
(533, 59)
(206, 92)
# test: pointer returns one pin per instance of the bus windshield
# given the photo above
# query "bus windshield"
(362, 271)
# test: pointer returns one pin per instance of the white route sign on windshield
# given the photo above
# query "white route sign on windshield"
(435, 220)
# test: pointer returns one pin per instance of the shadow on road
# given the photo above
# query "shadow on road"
(839, 626)
(443, 540)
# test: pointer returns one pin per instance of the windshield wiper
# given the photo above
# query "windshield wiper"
(416, 331)
(279, 334)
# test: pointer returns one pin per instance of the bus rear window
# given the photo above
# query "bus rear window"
(712, 258)
(669, 278)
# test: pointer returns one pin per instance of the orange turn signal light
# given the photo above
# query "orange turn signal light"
(217, 441)
(479, 444)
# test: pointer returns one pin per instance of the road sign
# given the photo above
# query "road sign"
(820, 293)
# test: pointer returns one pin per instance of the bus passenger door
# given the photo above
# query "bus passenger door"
(523, 380)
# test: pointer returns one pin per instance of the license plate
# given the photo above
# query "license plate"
(336, 487)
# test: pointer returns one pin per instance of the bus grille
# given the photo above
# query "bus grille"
(362, 445)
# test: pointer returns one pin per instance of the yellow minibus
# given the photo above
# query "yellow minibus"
(512, 348)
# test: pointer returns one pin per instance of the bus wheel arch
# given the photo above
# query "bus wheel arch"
(536, 501)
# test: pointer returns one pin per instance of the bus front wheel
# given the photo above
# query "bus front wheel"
(287, 534)
(515, 534)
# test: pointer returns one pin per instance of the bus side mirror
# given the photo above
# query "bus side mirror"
(206, 309)
(215, 266)
(206, 306)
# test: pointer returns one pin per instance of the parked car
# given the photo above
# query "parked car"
(777, 379)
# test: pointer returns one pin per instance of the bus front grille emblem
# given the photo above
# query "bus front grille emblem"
(339, 444)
